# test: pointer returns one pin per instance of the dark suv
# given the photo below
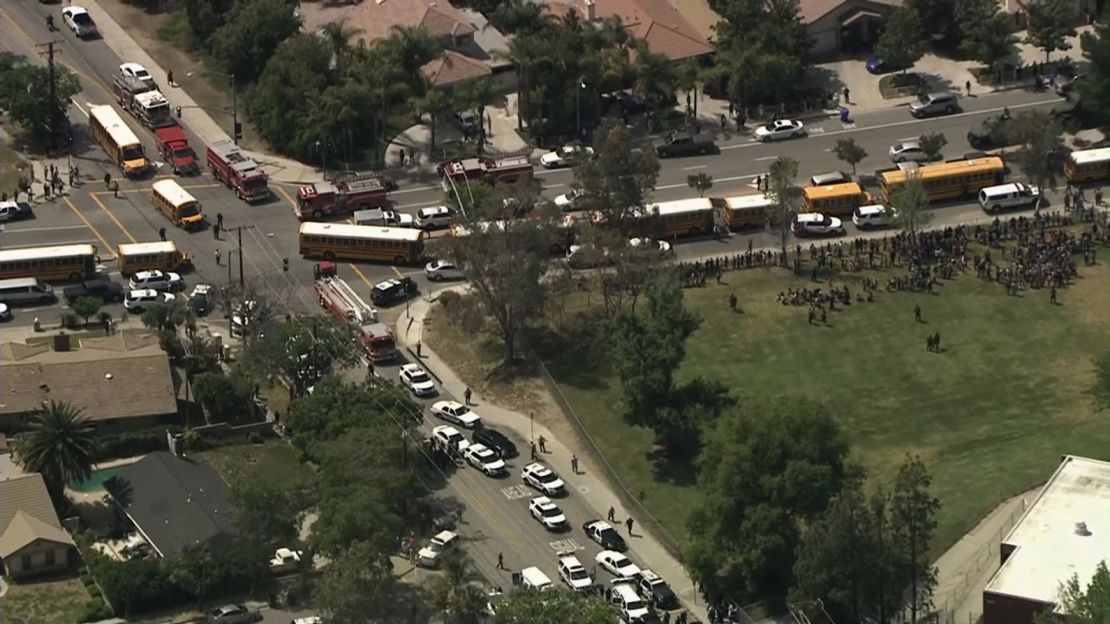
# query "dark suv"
(107, 290)
(393, 290)
(497, 441)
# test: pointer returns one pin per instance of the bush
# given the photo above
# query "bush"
(72, 321)
(448, 298)
(132, 443)
(95, 610)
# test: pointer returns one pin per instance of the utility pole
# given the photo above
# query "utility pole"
(54, 106)
(239, 230)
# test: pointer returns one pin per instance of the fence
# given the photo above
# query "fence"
(627, 499)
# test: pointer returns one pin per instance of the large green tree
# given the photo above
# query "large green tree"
(253, 31)
(1079, 605)
(526, 606)
(1041, 157)
(767, 469)
(268, 513)
(59, 444)
(457, 594)
(986, 33)
(913, 511)
(222, 398)
(902, 42)
(1051, 22)
(359, 582)
(782, 188)
(850, 152)
(1094, 89)
(909, 209)
(25, 96)
(936, 18)
(300, 352)
(619, 180)
(762, 50)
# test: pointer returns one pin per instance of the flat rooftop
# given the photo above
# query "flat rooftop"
(1048, 550)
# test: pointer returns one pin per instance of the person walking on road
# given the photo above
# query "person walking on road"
(220, 220)
(543, 444)
(500, 561)
(917, 314)
(628, 523)
(219, 262)
(574, 463)
(107, 181)
(162, 234)
(612, 516)
(533, 446)
(115, 188)
(216, 231)
(967, 85)
(467, 395)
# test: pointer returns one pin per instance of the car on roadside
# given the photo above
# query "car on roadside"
(569, 201)
(453, 411)
(5, 312)
(649, 244)
(232, 614)
(496, 441)
(102, 288)
(158, 280)
(441, 545)
(877, 64)
(605, 534)
(542, 478)
(651, 586)
(574, 574)
(393, 290)
(936, 103)
(816, 224)
(137, 300)
(136, 72)
(449, 440)
(14, 211)
(566, 156)
(200, 299)
(780, 129)
(617, 564)
(547, 513)
(467, 121)
(908, 151)
(80, 22)
(442, 270)
(486, 460)
(417, 380)
(434, 217)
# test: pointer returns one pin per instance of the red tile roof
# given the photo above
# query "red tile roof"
(657, 22)
(453, 68)
(374, 19)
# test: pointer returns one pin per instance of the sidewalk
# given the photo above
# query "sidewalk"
(587, 483)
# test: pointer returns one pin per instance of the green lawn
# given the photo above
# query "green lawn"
(45, 602)
(991, 414)
(272, 460)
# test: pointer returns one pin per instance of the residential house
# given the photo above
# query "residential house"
(472, 47)
(174, 502)
(32, 540)
(844, 26)
(663, 25)
(121, 381)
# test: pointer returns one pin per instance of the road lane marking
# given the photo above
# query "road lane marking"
(54, 243)
(907, 122)
(419, 204)
(695, 167)
(43, 229)
(565, 545)
(765, 158)
(112, 217)
(107, 246)
(516, 492)
(416, 189)
(670, 186)
(551, 186)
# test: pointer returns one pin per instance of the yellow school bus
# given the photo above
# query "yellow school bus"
(948, 180)
(51, 263)
(837, 200)
(177, 204)
(748, 211)
(684, 217)
(332, 241)
(1088, 165)
(117, 140)
(135, 257)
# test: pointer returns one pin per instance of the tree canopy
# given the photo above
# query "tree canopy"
(767, 468)
(526, 606)
(619, 181)
(902, 42)
(1094, 89)
(25, 95)
(59, 444)
(1051, 22)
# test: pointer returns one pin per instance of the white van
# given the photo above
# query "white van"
(533, 578)
(631, 606)
(434, 217)
(443, 543)
(1005, 196)
(832, 177)
(871, 216)
(25, 290)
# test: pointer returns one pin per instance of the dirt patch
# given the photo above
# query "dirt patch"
(156, 32)
(11, 166)
(477, 361)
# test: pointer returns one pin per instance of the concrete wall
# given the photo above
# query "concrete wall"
(1003, 609)
(17, 567)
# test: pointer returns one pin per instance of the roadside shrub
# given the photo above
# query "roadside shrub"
(448, 299)
(95, 610)
(72, 321)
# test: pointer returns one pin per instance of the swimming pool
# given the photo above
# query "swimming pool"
(96, 480)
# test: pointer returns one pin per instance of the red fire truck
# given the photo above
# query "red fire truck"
(342, 197)
(143, 100)
(342, 302)
(238, 171)
(489, 170)
(174, 148)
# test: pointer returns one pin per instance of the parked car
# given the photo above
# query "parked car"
(547, 513)
(433, 217)
(467, 121)
(158, 280)
(440, 545)
(14, 211)
(908, 151)
(449, 440)
(574, 574)
(542, 478)
(656, 590)
(138, 72)
(393, 290)
(938, 103)
(285, 560)
(566, 156)
(440, 270)
(877, 64)
(617, 564)
(605, 534)
(138, 300)
(816, 224)
(453, 411)
(486, 460)
(200, 301)
(780, 129)
(569, 201)
(232, 614)
(496, 441)
(103, 288)
(684, 143)
(5, 312)
(416, 379)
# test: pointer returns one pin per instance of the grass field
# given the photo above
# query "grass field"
(45, 602)
(272, 460)
(991, 414)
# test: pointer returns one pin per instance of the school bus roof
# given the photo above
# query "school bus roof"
(939, 170)
(53, 251)
(1086, 157)
(832, 190)
(696, 204)
(138, 249)
(114, 125)
(744, 202)
(343, 230)
(172, 192)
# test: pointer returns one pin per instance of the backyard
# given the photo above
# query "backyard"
(991, 413)
(59, 601)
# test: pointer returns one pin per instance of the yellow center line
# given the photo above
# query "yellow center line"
(112, 217)
(107, 247)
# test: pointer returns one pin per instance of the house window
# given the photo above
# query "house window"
(50, 557)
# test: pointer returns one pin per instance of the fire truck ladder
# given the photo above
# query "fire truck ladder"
(342, 294)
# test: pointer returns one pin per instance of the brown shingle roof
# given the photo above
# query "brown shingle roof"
(26, 514)
(453, 68)
(813, 10)
(108, 384)
(657, 22)
(376, 18)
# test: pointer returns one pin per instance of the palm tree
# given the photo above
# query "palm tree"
(434, 103)
(60, 445)
(687, 77)
(339, 36)
(414, 48)
(524, 52)
(458, 593)
(655, 79)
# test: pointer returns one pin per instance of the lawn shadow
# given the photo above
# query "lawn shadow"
(672, 469)
(575, 358)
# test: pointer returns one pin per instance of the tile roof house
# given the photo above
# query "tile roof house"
(119, 381)
(844, 25)
(32, 540)
(661, 24)
(174, 502)
(469, 42)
